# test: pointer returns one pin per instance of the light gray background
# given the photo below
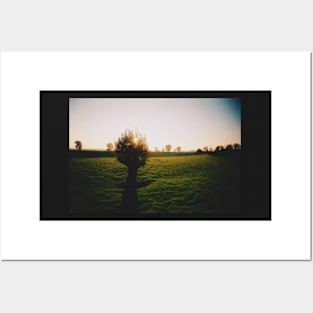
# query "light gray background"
(156, 286)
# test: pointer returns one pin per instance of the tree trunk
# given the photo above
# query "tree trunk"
(132, 176)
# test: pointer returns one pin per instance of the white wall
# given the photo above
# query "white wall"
(151, 286)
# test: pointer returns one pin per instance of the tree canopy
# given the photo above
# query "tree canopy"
(131, 149)
(78, 145)
(110, 147)
(168, 148)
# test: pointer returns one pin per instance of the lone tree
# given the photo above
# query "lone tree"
(131, 149)
(168, 148)
(237, 146)
(110, 147)
(178, 149)
(78, 145)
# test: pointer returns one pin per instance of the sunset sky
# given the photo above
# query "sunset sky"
(189, 123)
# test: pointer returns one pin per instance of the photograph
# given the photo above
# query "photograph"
(152, 158)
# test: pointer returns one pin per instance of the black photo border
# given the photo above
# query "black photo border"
(255, 141)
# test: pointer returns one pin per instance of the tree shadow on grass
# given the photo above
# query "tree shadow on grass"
(129, 196)
(130, 199)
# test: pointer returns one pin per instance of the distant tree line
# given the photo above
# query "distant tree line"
(220, 148)
(168, 148)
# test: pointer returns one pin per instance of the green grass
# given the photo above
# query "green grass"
(194, 184)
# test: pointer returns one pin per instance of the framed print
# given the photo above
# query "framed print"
(218, 162)
(155, 155)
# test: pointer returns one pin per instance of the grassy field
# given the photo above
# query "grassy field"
(173, 186)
